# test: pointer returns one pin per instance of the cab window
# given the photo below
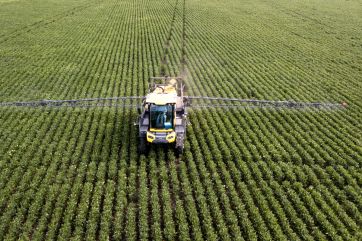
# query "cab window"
(161, 116)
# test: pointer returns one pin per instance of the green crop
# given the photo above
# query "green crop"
(246, 173)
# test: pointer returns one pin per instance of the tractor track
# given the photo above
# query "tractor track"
(167, 44)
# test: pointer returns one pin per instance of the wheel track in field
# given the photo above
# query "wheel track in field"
(162, 191)
(167, 44)
(169, 205)
(134, 199)
(183, 42)
(125, 209)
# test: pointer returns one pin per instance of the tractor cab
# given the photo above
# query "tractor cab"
(161, 117)
(162, 120)
(161, 113)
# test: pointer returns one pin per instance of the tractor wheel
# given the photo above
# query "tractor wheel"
(179, 151)
(179, 145)
(142, 146)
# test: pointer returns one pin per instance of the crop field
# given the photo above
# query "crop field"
(246, 173)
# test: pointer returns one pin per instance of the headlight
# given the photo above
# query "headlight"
(150, 137)
(171, 137)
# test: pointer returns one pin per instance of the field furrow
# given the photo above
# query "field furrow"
(75, 173)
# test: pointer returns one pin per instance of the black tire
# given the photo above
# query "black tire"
(142, 146)
(179, 151)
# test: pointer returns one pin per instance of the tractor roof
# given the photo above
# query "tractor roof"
(161, 98)
(163, 94)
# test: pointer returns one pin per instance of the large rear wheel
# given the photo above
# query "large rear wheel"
(179, 151)
(179, 145)
(142, 146)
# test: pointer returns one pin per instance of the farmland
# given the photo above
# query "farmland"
(246, 174)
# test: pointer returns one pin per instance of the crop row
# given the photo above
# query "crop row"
(246, 174)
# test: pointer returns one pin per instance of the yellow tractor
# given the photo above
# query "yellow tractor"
(163, 114)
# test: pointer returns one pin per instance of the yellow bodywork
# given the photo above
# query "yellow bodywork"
(170, 137)
(160, 130)
(163, 95)
(150, 137)
(168, 89)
